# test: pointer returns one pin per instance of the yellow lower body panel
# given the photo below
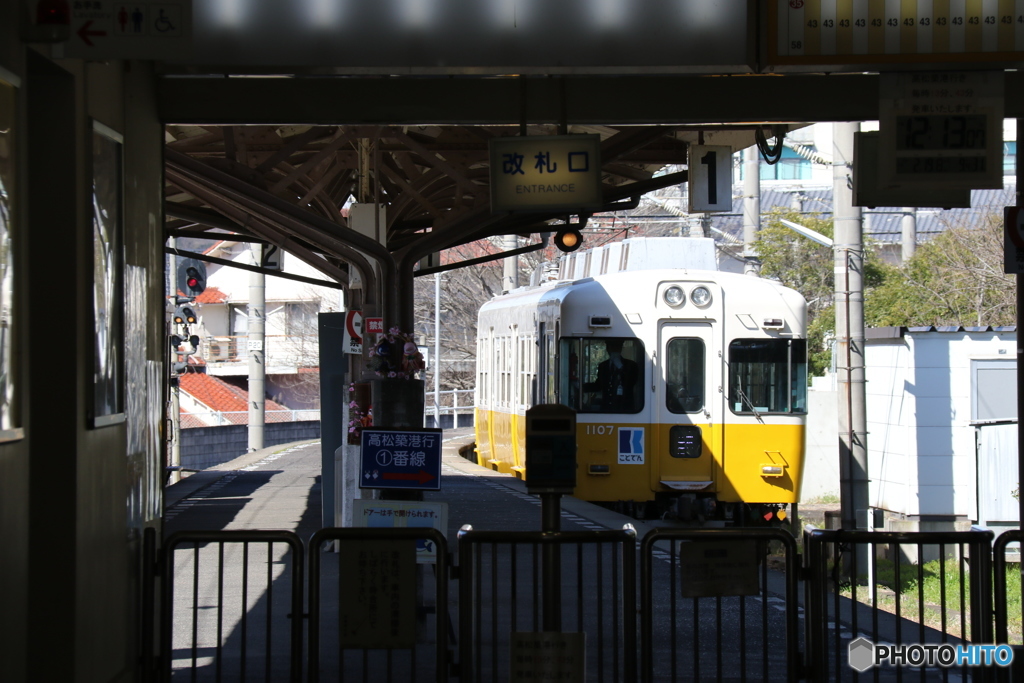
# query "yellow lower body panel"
(751, 451)
(761, 463)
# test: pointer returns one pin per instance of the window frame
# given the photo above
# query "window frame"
(573, 347)
(795, 380)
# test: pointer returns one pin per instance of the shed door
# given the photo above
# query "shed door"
(997, 474)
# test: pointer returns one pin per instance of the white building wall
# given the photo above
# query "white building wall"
(921, 443)
(286, 349)
(821, 459)
(888, 407)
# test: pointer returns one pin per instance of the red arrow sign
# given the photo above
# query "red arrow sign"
(84, 33)
(420, 477)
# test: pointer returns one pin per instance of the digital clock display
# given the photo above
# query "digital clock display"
(941, 133)
(944, 129)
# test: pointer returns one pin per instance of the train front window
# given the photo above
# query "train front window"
(602, 375)
(684, 375)
(768, 376)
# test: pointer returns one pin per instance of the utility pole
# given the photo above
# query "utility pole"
(751, 209)
(257, 355)
(437, 350)
(849, 296)
(510, 275)
(908, 229)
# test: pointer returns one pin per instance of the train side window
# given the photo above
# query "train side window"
(611, 375)
(550, 395)
(569, 372)
(768, 376)
(684, 375)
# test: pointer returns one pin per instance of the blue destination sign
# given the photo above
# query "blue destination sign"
(401, 459)
(546, 173)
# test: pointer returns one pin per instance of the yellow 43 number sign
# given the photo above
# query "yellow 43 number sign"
(898, 32)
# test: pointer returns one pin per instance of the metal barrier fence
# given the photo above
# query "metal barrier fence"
(368, 640)
(507, 588)
(1009, 622)
(921, 588)
(714, 604)
(711, 610)
(218, 625)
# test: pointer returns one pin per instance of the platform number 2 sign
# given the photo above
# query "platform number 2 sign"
(710, 170)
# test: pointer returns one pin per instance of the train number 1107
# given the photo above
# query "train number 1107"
(600, 430)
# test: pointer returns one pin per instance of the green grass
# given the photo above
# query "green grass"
(935, 580)
(827, 499)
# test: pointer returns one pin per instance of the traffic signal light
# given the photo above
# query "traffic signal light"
(191, 277)
(569, 239)
(185, 315)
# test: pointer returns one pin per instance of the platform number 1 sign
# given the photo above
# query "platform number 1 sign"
(710, 178)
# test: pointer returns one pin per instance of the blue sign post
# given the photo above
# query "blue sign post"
(401, 459)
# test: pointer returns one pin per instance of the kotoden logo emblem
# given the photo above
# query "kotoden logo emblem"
(864, 654)
(631, 446)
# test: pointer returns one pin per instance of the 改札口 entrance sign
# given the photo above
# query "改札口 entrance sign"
(546, 173)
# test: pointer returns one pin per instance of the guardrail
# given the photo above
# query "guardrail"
(450, 406)
(717, 607)
(709, 607)
(239, 631)
(597, 602)
(871, 587)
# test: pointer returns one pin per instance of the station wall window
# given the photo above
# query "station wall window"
(9, 132)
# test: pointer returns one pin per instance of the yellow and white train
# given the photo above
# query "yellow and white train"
(690, 388)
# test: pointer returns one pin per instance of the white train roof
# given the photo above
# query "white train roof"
(638, 253)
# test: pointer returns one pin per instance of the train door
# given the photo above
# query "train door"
(687, 427)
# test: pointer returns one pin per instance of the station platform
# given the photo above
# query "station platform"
(757, 633)
(279, 488)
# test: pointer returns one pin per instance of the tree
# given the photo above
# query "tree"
(808, 267)
(463, 291)
(955, 279)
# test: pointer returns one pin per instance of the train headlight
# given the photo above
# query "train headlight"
(675, 296)
(700, 296)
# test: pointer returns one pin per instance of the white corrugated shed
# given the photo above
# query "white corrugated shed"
(925, 410)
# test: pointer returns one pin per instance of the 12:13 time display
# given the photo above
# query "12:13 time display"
(936, 133)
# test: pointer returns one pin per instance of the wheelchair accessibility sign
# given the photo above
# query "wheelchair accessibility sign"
(631, 446)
